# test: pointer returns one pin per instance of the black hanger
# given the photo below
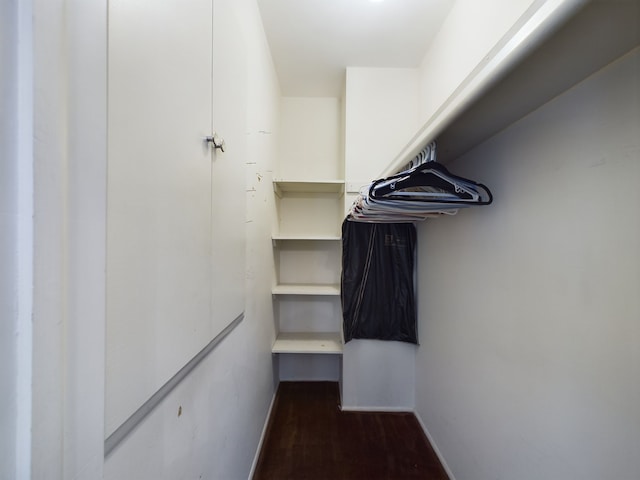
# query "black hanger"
(430, 182)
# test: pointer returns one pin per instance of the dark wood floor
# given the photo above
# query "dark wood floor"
(308, 437)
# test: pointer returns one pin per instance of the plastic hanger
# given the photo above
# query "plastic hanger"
(425, 189)
(431, 182)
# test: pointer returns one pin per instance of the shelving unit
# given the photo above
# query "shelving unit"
(309, 190)
(307, 251)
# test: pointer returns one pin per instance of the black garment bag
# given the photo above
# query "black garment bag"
(377, 292)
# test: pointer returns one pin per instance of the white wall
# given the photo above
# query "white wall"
(529, 308)
(469, 33)
(378, 376)
(311, 139)
(68, 178)
(309, 367)
(8, 237)
(50, 112)
(380, 113)
(210, 425)
(16, 238)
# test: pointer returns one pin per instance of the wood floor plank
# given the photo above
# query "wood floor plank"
(308, 437)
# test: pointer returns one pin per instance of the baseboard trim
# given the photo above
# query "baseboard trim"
(254, 464)
(435, 447)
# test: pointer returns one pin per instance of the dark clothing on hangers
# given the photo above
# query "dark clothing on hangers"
(377, 281)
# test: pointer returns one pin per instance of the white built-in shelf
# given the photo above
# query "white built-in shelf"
(322, 186)
(328, 343)
(306, 289)
(295, 236)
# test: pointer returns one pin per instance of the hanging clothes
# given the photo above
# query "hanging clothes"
(377, 284)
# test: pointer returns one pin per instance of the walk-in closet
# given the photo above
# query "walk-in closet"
(259, 239)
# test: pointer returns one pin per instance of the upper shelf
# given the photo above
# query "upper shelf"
(539, 62)
(304, 186)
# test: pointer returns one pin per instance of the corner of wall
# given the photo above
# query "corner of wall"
(434, 445)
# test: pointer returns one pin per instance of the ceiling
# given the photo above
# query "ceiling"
(313, 41)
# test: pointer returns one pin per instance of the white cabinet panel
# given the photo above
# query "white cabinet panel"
(228, 176)
(176, 214)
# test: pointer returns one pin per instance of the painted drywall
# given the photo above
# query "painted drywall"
(50, 247)
(25, 135)
(309, 367)
(529, 313)
(380, 112)
(16, 237)
(8, 237)
(378, 376)
(86, 238)
(210, 425)
(311, 139)
(381, 115)
(68, 178)
(466, 37)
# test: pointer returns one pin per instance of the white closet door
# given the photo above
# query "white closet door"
(228, 178)
(159, 265)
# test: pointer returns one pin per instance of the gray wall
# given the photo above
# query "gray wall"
(530, 308)
(8, 236)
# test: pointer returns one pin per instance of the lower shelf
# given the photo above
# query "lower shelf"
(328, 343)
(305, 289)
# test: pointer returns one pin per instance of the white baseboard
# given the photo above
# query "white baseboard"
(254, 464)
(435, 447)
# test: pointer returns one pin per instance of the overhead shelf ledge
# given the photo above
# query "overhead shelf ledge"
(534, 33)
